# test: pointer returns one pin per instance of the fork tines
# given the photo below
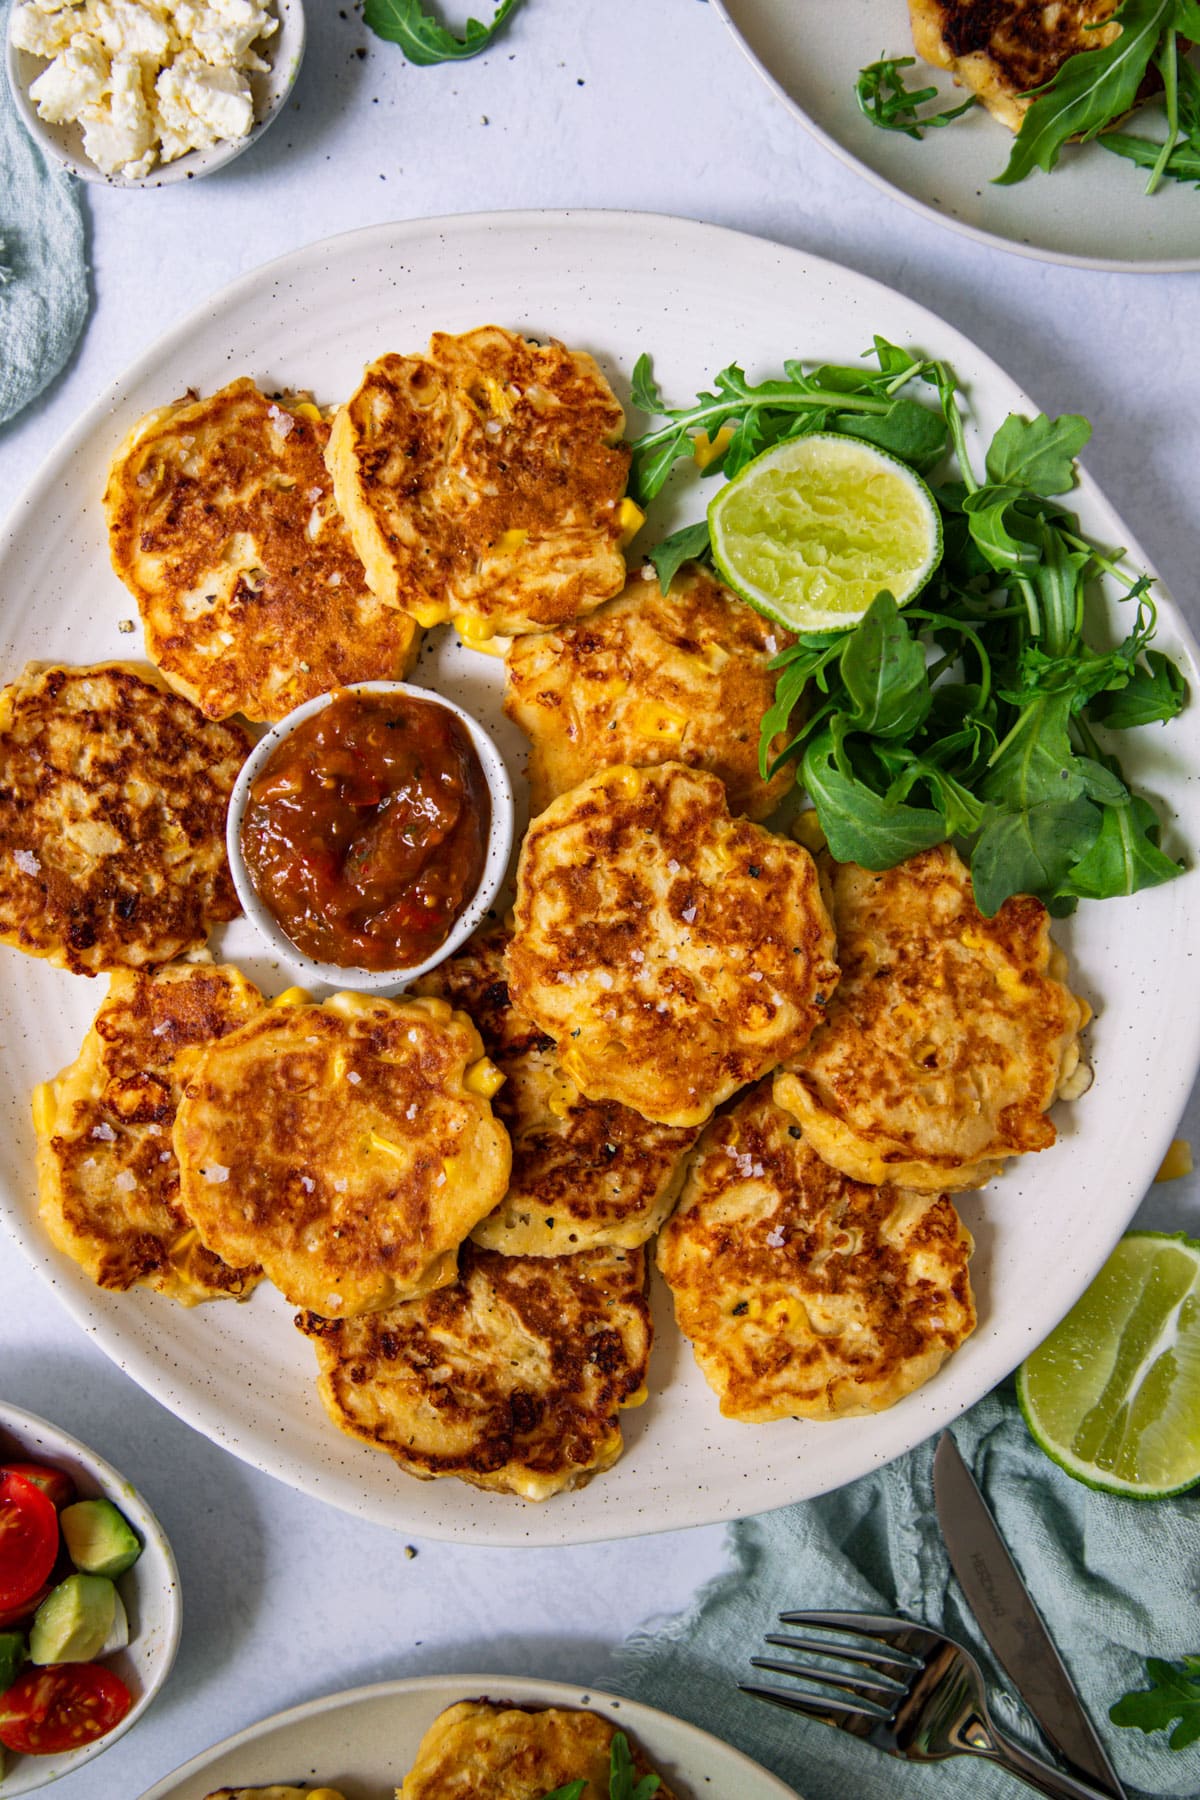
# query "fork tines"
(879, 1676)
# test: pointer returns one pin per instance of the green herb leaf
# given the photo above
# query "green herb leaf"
(1001, 530)
(621, 1774)
(1090, 89)
(1037, 454)
(644, 391)
(1174, 1693)
(1154, 693)
(682, 546)
(1036, 762)
(574, 1790)
(861, 826)
(1125, 856)
(883, 98)
(1183, 164)
(423, 39)
(883, 670)
(914, 433)
(1031, 851)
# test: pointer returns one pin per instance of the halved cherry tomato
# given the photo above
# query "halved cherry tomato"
(56, 1484)
(61, 1708)
(28, 1538)
(12, 1615)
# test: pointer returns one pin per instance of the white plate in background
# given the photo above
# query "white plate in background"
(695, 297)
(363, 1741)
(1090, 211)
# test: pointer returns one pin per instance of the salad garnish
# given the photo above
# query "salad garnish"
(984, 713)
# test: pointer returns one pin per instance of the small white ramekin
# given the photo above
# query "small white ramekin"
(499, 850)
(283, 52)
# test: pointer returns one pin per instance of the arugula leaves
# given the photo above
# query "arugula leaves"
(1091, 89)
(974, 713)
(751, 417)
(1174, 1693)
(1178, 157)
(688, 545)
(423, 39)
(621, 1773)
(883, 97)
(1090, 92)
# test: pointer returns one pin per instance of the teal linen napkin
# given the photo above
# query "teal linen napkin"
(1115, 1580)
(43, 269)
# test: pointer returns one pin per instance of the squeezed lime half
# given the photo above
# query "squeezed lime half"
(811, 531)
(1113, 1394)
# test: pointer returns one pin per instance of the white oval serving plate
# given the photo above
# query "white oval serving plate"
(695, 297)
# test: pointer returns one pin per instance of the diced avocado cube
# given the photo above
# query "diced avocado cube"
(100, 1540)
(118, 1631)
(73, 1620)
(12, 1655)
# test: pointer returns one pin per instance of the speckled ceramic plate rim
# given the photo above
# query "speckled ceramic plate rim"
(392, 1716)
(154, 1575)
(609, 282)
(757, 40)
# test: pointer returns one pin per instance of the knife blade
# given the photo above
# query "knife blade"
(1009, 1620)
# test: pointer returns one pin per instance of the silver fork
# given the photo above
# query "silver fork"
(907, 1690)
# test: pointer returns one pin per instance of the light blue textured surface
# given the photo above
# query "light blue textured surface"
(1115, 1580)
(44, 290)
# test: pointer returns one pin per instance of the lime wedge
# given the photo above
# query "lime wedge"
(812, 530)
(1113, 1395)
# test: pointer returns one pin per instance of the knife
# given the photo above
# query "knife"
(1009, 1620)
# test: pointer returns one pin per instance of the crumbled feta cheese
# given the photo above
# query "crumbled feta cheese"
(43, 30)
(147, 80)
(340, 1184)
(126, 28)
(688, 914)
(215, 1174)
(283, 422)
(207, 106)
(777, 1237)
(125, 1181)
(354, 1078)
(77, 78)
(672, 867)
(105, 1133)
(307, 1183)
(27, 862)
(162, 1028)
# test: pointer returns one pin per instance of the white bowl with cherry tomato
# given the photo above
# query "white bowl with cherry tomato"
(89, 1584)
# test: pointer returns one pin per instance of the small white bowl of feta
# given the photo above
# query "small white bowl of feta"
(140, 93)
